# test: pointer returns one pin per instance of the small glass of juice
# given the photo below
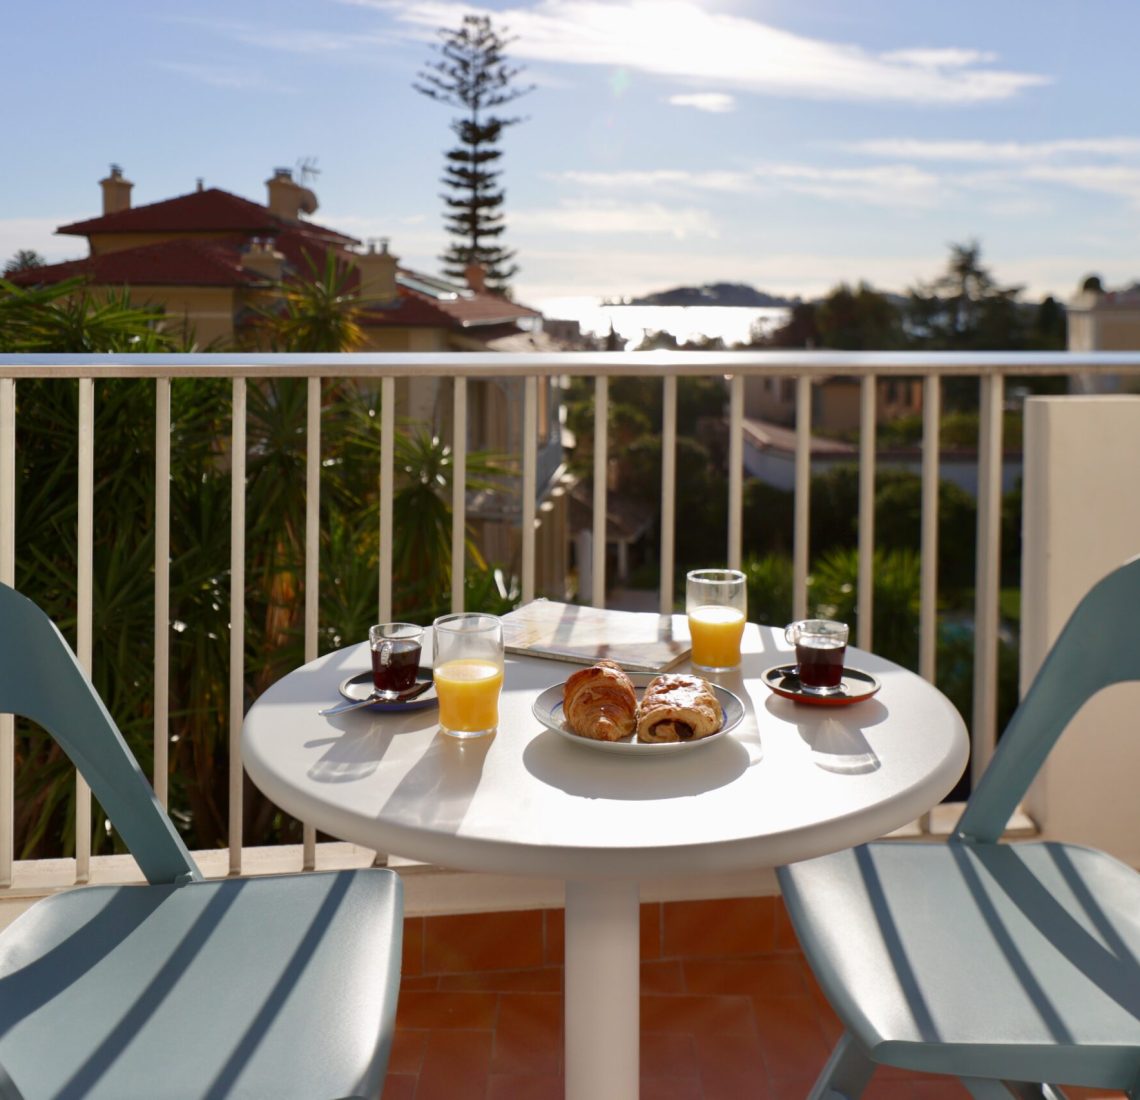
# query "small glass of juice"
(468, 672)
(716, 602)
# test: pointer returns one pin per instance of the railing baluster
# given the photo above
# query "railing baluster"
(735, 471)
(85, 539)
(988, 583)
(7, 576)
(865, 583)
(161, 777)
(387, 491)
(928, 550)
(312, 566)
(459, 493)
(668, 491)
(527, 512)
(601, 445)
(801, 529)
(237, 618)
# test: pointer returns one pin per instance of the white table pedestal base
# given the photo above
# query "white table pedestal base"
(603, 977)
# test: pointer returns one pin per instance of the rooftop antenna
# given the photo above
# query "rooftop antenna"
(307, 170)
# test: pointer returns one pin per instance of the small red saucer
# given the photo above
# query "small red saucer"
(854, 687)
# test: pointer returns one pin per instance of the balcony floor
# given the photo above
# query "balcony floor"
(729, 1009)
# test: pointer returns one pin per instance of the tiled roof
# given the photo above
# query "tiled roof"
(468, 308)
(208, 211)
(166, 263)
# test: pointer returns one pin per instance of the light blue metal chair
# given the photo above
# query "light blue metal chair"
(266, 989)
(1007, 965)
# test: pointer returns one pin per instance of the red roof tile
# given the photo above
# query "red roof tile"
(211, 210)
(166, 263)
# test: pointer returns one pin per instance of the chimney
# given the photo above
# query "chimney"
(262, 258)
(116, 191)
(288, 199)
(476, 276)
(377, 273)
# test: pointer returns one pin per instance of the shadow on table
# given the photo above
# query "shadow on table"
(587, 773)
(835, 736)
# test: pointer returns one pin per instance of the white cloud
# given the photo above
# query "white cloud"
(682, 40)
(990, 151)
(642, 218)
(1120, 181)
(716, 103)
(672, 179)
(890, 185)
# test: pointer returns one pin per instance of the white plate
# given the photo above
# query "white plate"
(548, 710)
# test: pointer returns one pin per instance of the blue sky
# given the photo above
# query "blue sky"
(790, 144)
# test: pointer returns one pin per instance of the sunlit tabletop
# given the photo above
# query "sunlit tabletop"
(791, 782)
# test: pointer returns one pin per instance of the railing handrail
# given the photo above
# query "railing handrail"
(590, 363)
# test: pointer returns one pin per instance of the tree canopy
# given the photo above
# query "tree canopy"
(473, 74)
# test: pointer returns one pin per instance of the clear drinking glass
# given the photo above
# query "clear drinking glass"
(395, 655)
(821, 645)
(716, 601)
(468, 672)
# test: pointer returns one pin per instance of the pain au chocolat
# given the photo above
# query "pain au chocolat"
(678, 707)
(600, 703)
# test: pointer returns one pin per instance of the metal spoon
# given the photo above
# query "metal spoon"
(377, 696)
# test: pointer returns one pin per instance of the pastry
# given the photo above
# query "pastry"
(600, 703)
(678, 707)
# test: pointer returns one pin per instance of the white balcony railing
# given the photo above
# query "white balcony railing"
(806, 368)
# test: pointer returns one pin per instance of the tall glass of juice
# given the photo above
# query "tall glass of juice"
(468, 672)
(716, 601)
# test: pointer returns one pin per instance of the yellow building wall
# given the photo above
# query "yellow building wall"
(102, 244)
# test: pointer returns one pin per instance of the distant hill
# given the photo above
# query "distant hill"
(712, 294)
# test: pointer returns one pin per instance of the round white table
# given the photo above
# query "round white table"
(791, 782)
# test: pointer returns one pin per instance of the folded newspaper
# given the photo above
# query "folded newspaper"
(639, 641)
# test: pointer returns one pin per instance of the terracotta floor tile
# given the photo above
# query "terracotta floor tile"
(419, 983)
(413, 953)
(524, 1086)
(741, 1086)
(768, 975)
(446, 1010)
(791, 1088)
(545, 979)
(790, 1035)
(736, 1055)
(528, 1034)
(691, 1014)
(483, 941)
(554, 937)
(651, 930)
(456, 1064)
(950, 1088)
(407, 1051)
(670, 1088)
(665, 1055)
(400, 1086)
(662, 976)
(734, 926)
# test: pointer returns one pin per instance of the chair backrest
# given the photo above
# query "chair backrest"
(1096, 648)
(41, 680)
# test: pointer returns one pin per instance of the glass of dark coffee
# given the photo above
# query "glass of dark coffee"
(395, 655)
(821, 645)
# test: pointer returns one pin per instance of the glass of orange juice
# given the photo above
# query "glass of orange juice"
(716, 601)
(468, 672)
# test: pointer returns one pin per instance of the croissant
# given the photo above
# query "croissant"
(678, 707)
(600, 703)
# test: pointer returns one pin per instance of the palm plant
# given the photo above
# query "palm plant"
(314, 312)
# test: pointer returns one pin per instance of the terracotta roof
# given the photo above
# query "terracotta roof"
(211, 210)
(166, 263)
(479, 309)
(407, 310)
